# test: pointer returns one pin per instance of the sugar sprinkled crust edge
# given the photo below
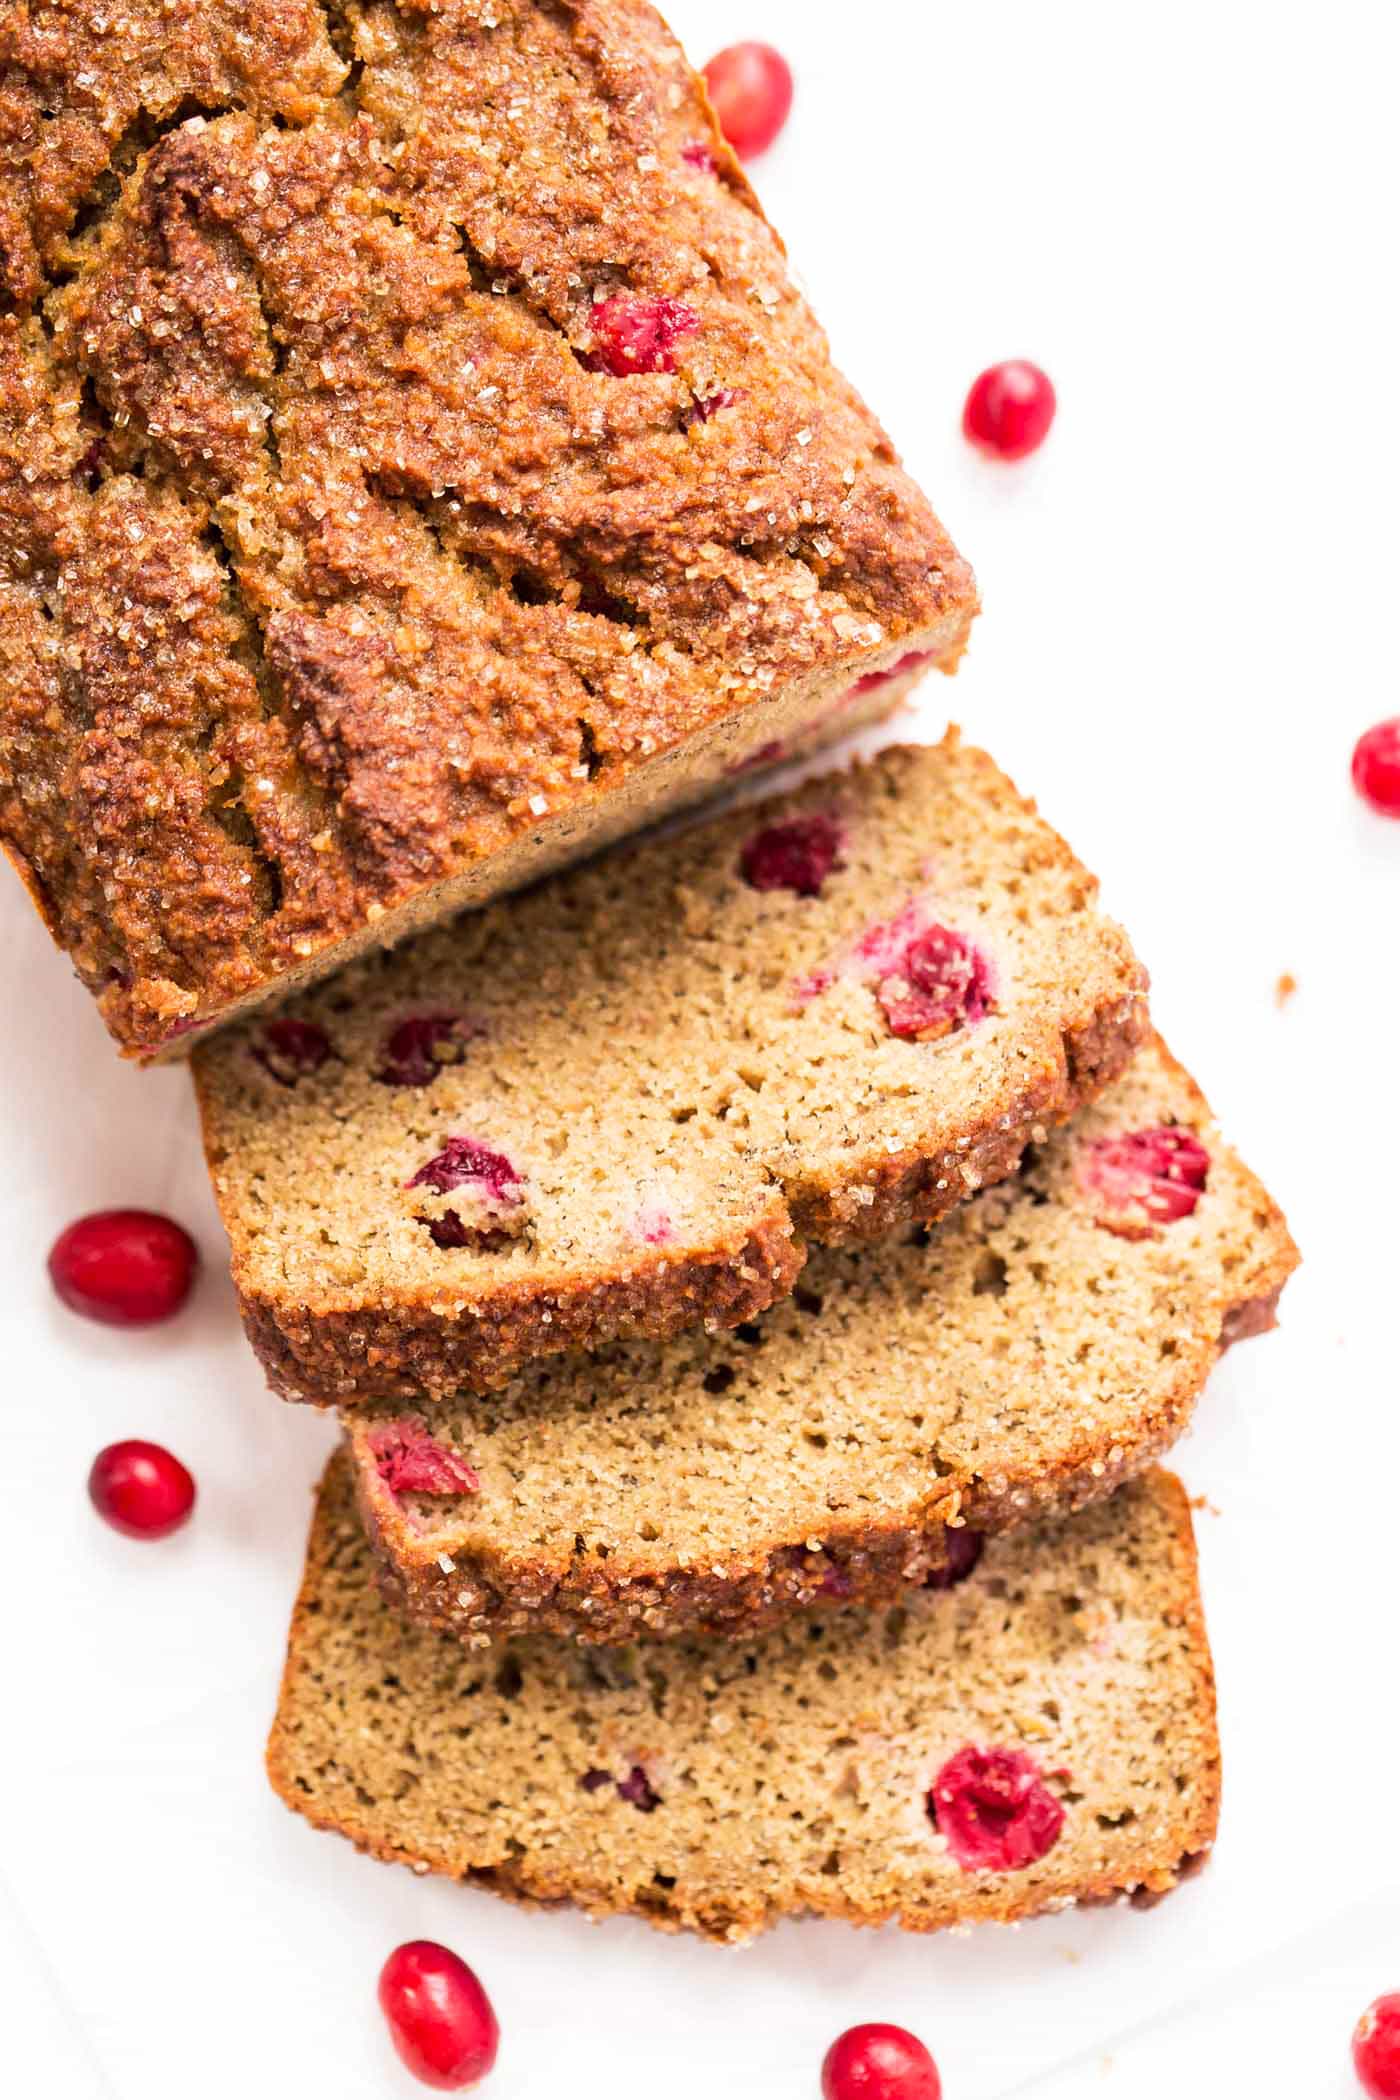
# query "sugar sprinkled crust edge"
(1153, 1873)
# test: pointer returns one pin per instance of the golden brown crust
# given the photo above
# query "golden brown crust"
(317, 424)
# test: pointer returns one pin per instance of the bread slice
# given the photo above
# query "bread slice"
(417, 467)
(1023, 1357)
(1064, 1687)
(624, 1102)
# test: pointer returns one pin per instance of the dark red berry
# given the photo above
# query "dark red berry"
(439, 2016)
(750, 86)
(994, 1809)
(1375, 767)
(910, 661)
(637, 335)
(411, 1462)
(962, 1549)
(1375, 2048)
(1010, 409)
(637, 1789)
(704, 406)
(879, 2062)
(699, 153)
(416, 1050)
(287, 1050)
(463, 1162)
(128, 1268)
(140, 1489)
(1144, 1178)
(798, 855)
(939, 983)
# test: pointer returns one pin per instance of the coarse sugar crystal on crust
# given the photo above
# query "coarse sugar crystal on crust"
(1046, 1341)
(417, 467)
(624, 1102)
(1040, 1735)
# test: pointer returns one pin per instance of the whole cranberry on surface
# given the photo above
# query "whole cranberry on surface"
(1375, 2048)
(439, 2016)
(750, 86)
(128, 1268)
(141, 1489)
(879, 2062)
(1010, 408)
(1375, 767)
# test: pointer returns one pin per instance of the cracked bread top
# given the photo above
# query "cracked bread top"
(409, 433)
(619, 1103)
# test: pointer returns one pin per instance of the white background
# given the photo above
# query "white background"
(1187, 214)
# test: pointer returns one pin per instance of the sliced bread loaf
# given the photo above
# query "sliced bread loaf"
(1042, 1734)
(1049, 1338)
(621, 1103)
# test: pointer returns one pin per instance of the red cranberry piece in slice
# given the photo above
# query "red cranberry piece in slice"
(699, 153)
(941, 982)
(750, 87)
(879, 2062)
(637, 1789)
(994, 1809)
(706, 405)
(141, 1489)
(798, 855)
(1009, 409)
(1375, 767)
(637, 335)
(440, 2018)
(127, 1268)
(411, 1462)
(962, 1549)
(1144, 1178)
(288, 1049)
(463, 1162)
(910, 661)
(1375, 2048)
(416, 1050)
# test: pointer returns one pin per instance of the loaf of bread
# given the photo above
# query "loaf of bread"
(624, 1102)
(1048, 1339)
(1041, 1734)
(416, 467)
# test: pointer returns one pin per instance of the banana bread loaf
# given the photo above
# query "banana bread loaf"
(1049, 1338)
(1040, 1735)
(416, 467)
(623, 1102)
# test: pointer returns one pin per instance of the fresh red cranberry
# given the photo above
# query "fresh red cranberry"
(439, 2016)
(962, 1549)
(637, 335)
(288, 1050)
(1375, 2048)
(798, 855)
(128, 1268)
(463, 1163)
(140, 1489)
(1375, 767)
(1144, 1178)
(699, 153)
(411, 1462)
(750, 86)
(879, 2062)
(994, 1809)
(1010, 409)
(639, 1791)
(704, 406)
(910, 661)
(940, 982)
(418, 1048)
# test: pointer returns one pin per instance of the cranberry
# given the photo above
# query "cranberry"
(637, 335)
(1144, 1178)
(290, 1049)
(750, 86)
(962, 1549)
(798, 855)
(463, 1161)
(699, 153)
(128, 1268)
(418, 1048)
(638, 1789)
(1375, 767)
(910, 661)
(1010, 409)
(879, 2062)
(140, 1489)
(1375, 2048)
(706, 405)
(939, 983)
(439, 2016)
(411, 1462)
(994, 1809)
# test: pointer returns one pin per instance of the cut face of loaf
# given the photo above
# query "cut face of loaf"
(1049, 1338)
(1058, 1705)
(416, 469)
(622, 1103)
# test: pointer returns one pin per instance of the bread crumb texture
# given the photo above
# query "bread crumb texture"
(719, 1787)
(415, 465)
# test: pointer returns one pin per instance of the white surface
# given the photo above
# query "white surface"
(1187, 215)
